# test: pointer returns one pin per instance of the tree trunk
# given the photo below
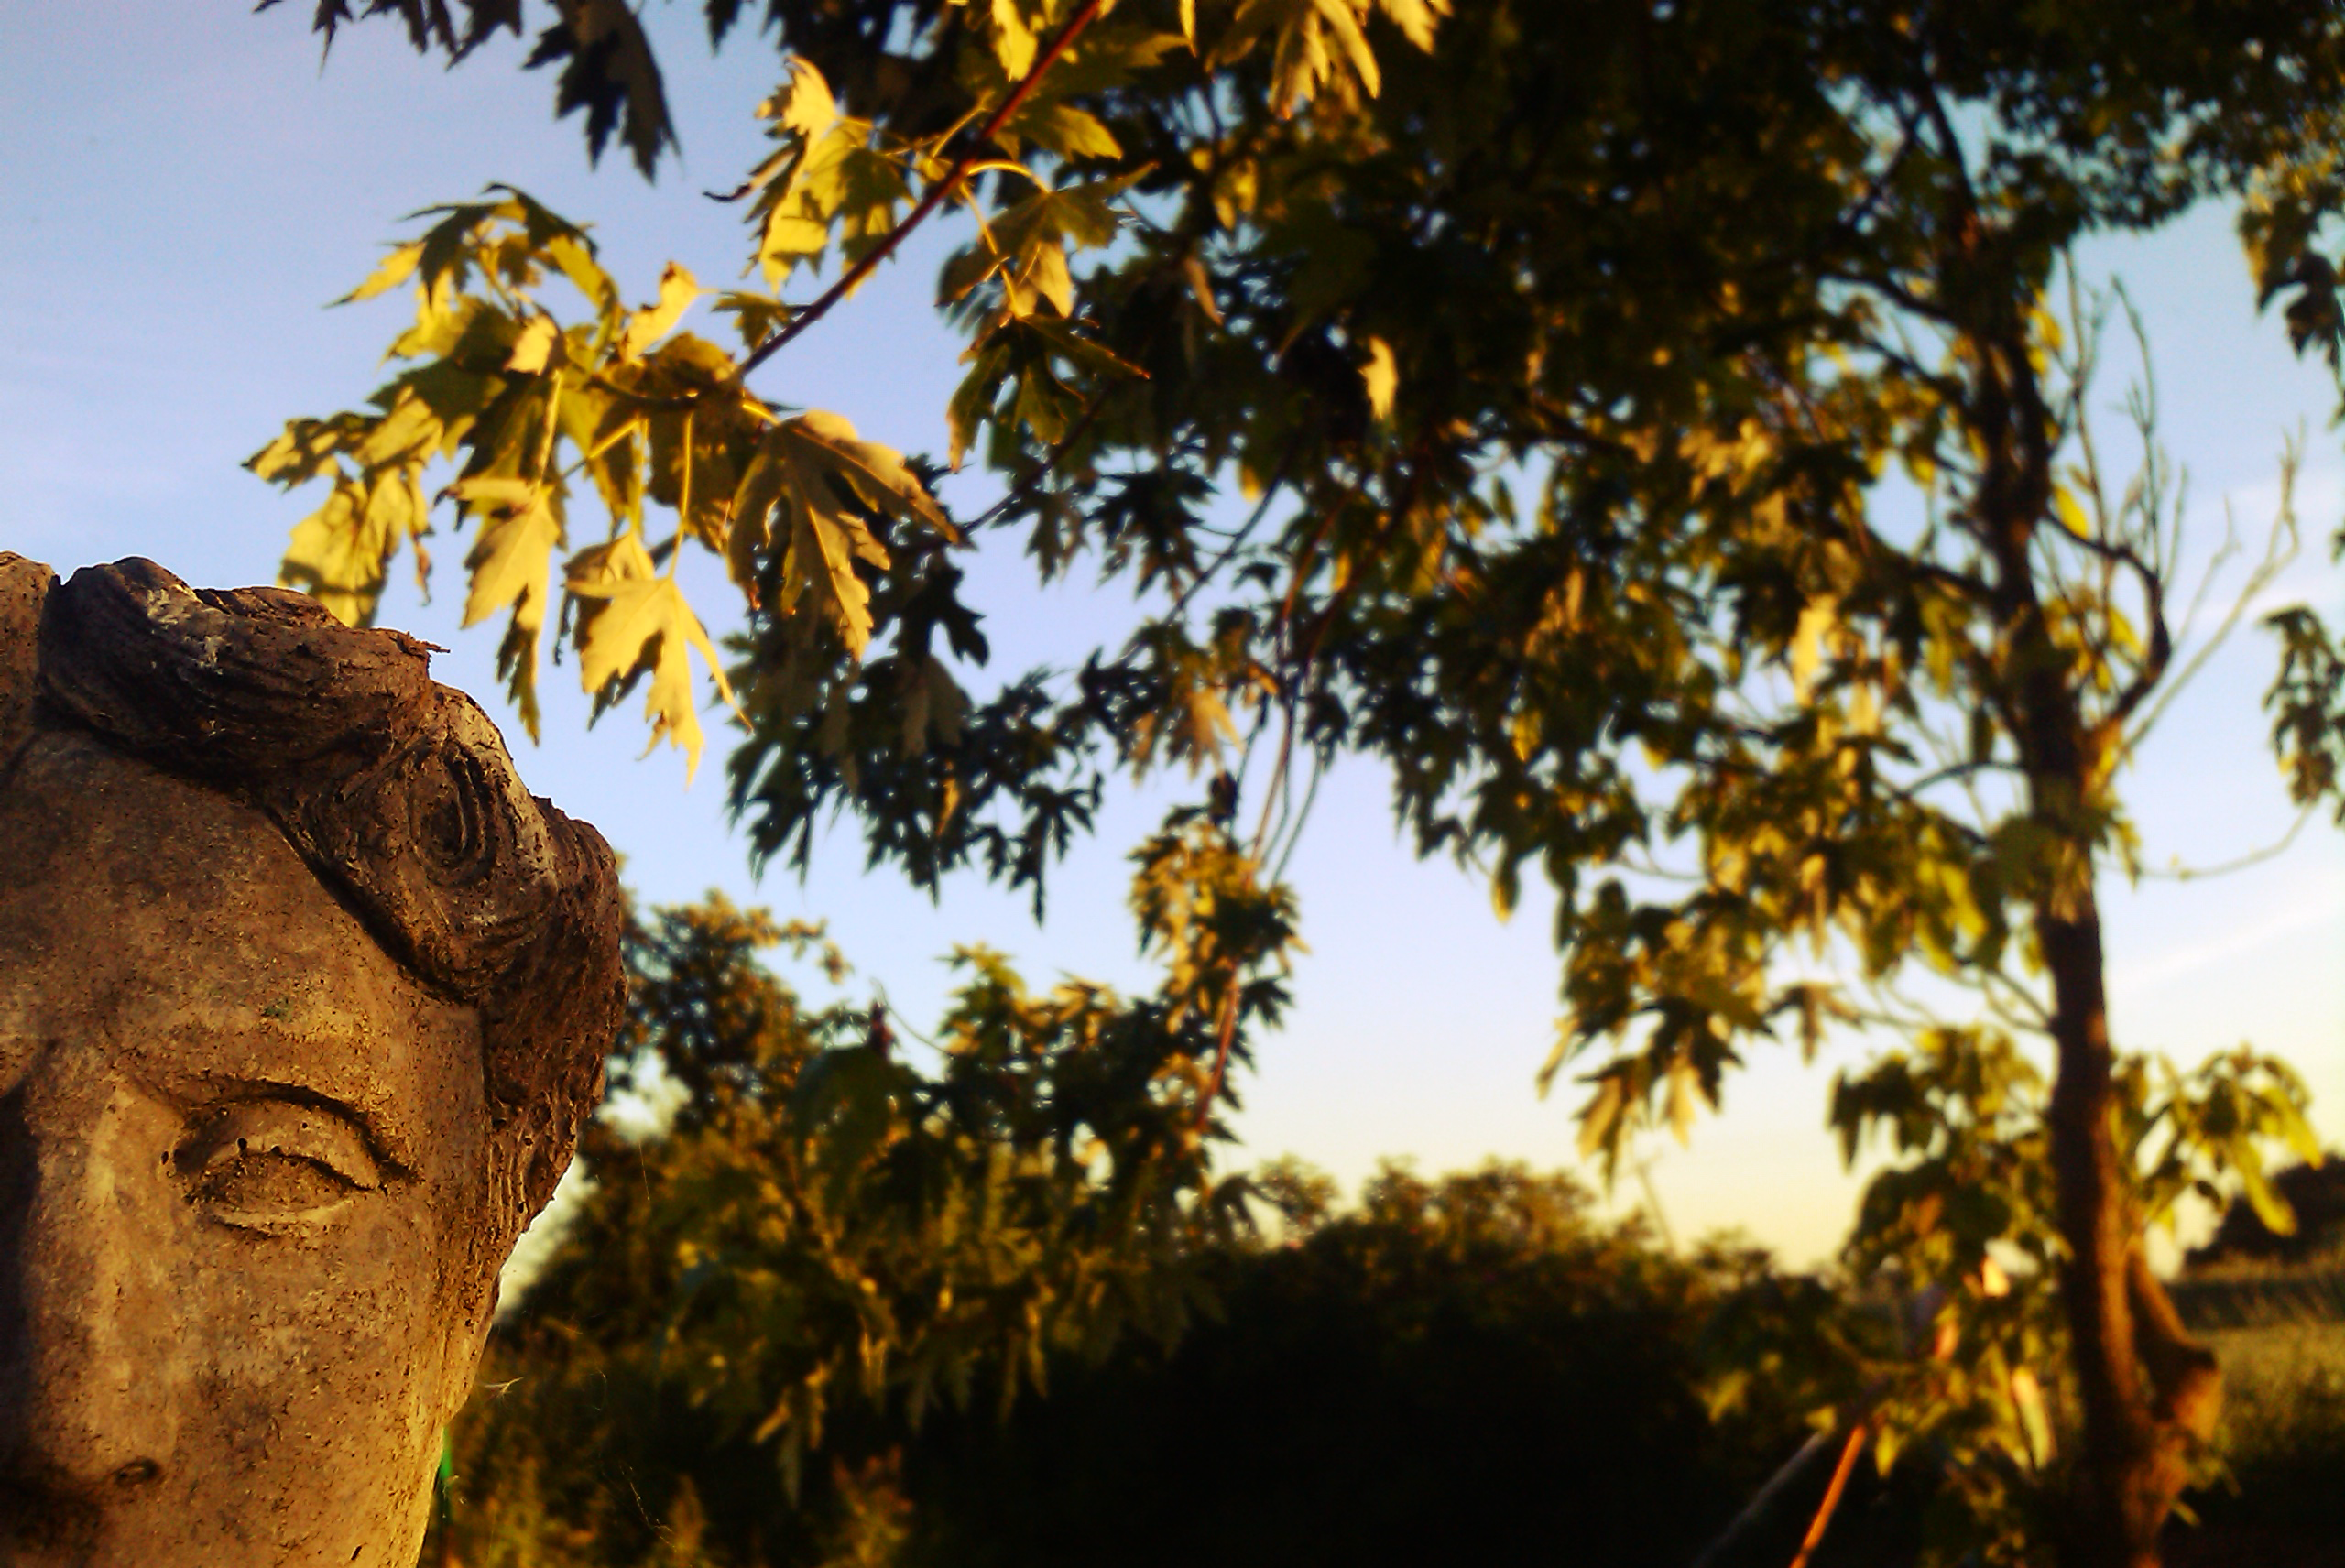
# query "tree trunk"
(2147, 1389)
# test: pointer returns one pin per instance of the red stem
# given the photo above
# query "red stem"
(936, 192)
(1221, 1054)
(1831, 1503)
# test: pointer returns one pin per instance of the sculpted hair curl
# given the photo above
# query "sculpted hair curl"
(395, 790)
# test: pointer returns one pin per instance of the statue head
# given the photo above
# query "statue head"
(304, 999)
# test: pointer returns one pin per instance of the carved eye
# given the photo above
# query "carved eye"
(255, 1160)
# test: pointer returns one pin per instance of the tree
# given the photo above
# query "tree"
(1470, 1368)
(831, 1228)
(1668, 436)
(777, 1247)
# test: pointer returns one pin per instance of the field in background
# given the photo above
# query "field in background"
(2283, 1434)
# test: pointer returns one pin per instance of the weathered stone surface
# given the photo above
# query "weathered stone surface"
(23, 584)
(302, 1000)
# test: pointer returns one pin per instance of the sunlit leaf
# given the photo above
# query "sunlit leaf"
(678, 289)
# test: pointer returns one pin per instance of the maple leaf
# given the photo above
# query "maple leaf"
(809, 469)
(511, 565)
(633, 622)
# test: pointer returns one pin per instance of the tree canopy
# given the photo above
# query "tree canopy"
(1668, 436)
(781, 1262)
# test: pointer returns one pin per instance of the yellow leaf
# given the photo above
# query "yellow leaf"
(534, 347)
(1600, 1118)
(1063, 129)
(1189, 23)
(1013, 40)
(746, 533)
(634, 610)
(805, 105)
(605, 566)
(510, 564)
(1682, 1083)
(1864, 710)
(1415, 18)
(2070, 513)
(1565, 1041)
(489, 490)
(338, 557)
(513, 558)
(408, 433)
(1808, 643)
(1345, 24)
(824, 544)
(678, 289)
(644, 623)
(876, 472)
(799, 469)
(1201, 286)
(394, 269)
(1381, 377)
(1046, 274)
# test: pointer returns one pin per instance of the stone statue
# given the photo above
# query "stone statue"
(302, 1001)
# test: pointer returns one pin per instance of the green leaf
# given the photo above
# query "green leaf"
(1062, 339)
(611, 74)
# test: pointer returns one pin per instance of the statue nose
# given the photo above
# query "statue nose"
(87, 1326)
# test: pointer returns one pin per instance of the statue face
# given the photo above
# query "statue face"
(245, 1272)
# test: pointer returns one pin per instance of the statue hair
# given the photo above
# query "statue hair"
(397, 792)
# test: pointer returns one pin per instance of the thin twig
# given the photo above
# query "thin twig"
(2253, 857)
(1050, 463)
(1253, 521)
(1824, 1510)
(1756, 1508)
(937, 193)
(2279, 553)
(904, 1023)
(1292, 832)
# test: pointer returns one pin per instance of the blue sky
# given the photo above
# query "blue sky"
(185, 190)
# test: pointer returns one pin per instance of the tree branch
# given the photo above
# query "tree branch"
(854, 275)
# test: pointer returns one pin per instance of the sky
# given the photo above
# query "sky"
(186, 188)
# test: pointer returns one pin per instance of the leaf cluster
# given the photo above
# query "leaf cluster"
(1672, 454)
(825, 1216)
